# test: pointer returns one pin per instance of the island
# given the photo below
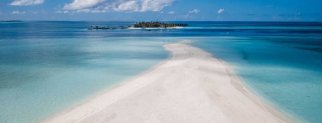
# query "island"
(141, 25)
(157, 25)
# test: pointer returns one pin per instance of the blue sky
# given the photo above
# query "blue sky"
(163, 10)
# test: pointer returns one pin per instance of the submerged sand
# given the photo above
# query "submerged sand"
(190, 87)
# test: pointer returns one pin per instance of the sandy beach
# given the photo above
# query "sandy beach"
(190, 87)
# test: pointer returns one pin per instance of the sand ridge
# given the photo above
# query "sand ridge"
(190, 87)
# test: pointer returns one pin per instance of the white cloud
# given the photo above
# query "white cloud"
(26, 2)
(82, 4)
(18, 12)
(194, 11)
(62, 11)
(171, 12)
(154, 5)
(127, 6)
(118, 5)
(220, 10)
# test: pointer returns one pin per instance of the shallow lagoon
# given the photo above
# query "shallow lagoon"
(42, 76)
(282, 71)
(46, 67)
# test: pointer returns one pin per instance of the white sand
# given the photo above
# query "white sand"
(191, 87)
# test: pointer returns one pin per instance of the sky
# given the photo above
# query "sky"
(162, 10)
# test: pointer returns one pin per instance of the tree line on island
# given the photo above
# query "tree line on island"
(157, 25)
(143, 25)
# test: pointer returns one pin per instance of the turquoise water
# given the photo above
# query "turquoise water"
(285, 74)
(48, 66)
(42, 76)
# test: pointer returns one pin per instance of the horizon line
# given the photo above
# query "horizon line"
(152, 21)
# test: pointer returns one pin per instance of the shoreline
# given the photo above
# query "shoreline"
(191, 86)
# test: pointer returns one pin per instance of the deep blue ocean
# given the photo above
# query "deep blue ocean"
(48, 66)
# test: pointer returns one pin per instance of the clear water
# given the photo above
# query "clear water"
(46, 67)
(42, 76)
(283, 73)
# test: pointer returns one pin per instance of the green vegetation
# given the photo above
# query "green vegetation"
(157, 25)
(140, 25)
